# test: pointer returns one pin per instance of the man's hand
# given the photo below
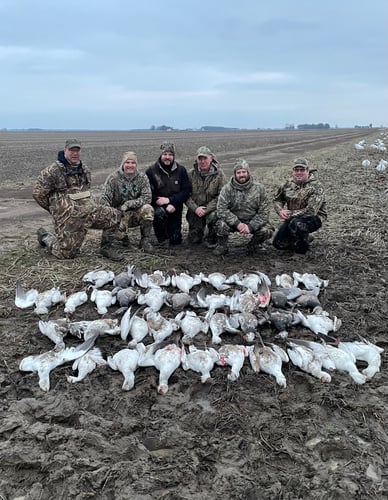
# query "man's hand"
(162, 201)
(284, 214)
(170, 209)
(243, 228)
(200, 211)
(126, 206)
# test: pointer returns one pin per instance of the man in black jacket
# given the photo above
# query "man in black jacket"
(170, 186)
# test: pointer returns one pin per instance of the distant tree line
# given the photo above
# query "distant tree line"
(306, 126)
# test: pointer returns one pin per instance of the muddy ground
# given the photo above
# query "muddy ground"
(248, 439)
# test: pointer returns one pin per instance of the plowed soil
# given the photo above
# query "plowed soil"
(247, 439)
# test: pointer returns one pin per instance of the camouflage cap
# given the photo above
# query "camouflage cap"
(241, 164)
(301, 162)
(72, 143)
(129, 155)
(204, 151)
(168, 147)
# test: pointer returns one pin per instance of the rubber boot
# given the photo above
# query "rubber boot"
(107, 250)
(254, 244)
(145, 241)
(45, 238)
(210, 239)
(222, 246)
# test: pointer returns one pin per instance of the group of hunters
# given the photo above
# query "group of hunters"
(154, 201)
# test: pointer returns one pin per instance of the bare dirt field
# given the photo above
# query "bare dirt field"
(247, 439)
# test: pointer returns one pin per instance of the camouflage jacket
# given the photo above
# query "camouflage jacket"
(302, 199)
(246, 203)
(174, 185)
(56, 182)
(205, 189)
(120, 188)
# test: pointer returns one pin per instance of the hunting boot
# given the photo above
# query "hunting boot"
(145, 241)
(222, 246)
(125, 241)
(45, 238)
(254, 244)
(210, 239)
(107, 250)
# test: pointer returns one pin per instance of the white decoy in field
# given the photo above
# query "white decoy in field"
(217, 280)
(365, 351)
(103, 299)
(346, 361)
(233, 355)
(309, 280)
(365, 163)
(191, 325)
(220, 323)
(75, 300)
(55, 330)
(86, 364)
(159, 327)
(125, 361)
(319, 323)
(200, 361)
(269, 360)
(47, 299)
(44, 363)
(154, 298)
(99, 278)
(303, 357)
(359, 147)
(25, 298)
(184, 281)
(382, 166)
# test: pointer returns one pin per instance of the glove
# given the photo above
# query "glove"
(160, 213)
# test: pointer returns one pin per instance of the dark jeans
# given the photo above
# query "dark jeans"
(293, 233)
(168, 226)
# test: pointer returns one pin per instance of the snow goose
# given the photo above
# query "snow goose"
(86, 364)
(125, 361)
(200, 361)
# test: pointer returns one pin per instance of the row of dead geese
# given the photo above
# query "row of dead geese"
(250, 306)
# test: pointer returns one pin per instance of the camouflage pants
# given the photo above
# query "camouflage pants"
(131, 218)
(198, 226)
(72, 222)
(262, 234)
(293, 233)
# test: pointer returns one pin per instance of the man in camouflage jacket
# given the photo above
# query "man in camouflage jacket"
(207, 179)
(128, 190)
(243, 207)
(301, 204)
(170, 187)
(63, 189)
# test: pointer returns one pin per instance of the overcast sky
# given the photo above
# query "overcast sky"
(121, 64)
